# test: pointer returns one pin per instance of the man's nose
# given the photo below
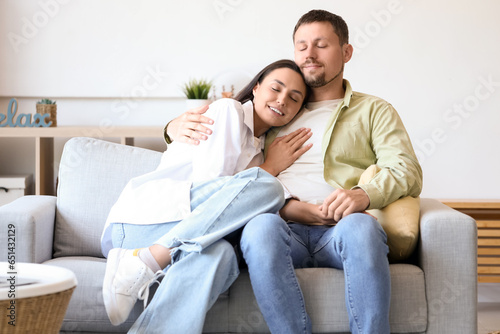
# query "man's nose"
(310, 54)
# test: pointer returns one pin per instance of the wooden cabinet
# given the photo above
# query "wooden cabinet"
(487, 216)
(44, 145)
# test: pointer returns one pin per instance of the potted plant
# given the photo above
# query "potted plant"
(46, 106)
(197, 92)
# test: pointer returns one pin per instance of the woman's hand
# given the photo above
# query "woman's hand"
(285, 150)
(189, 128)
(311, 214)
(305, 213)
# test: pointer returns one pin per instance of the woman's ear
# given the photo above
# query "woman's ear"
(255, 88)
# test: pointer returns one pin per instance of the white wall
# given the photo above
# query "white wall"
(123, 61)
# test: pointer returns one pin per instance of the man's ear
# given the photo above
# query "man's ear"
(347, 50)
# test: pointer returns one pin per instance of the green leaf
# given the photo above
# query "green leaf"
(197, 89)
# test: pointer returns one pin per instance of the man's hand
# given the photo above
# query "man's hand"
(305, 213)
(285, 150)
(189, 128)
(341, 203)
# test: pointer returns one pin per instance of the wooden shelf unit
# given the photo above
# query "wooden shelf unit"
(487, 216)
(44, 144)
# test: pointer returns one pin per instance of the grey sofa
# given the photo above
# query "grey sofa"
(434, 292)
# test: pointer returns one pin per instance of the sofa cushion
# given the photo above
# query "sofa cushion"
(92, 173)
(323, 290)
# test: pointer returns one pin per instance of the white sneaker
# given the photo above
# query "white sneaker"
(127, 279)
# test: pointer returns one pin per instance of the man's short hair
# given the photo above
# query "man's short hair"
(319, 15)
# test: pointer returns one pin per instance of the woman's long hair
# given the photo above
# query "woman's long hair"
(246, 94)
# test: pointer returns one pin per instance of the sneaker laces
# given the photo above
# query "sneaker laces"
(143, 293)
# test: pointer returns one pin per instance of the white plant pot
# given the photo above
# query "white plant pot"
(191, 104)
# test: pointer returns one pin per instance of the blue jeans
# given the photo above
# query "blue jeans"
(357, 245)
(203, 264)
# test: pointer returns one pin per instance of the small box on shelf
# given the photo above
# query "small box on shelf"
(15, 186)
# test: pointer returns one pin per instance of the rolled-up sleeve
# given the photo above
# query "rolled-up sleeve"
(401, 174)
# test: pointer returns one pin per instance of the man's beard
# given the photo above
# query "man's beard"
(320, 80)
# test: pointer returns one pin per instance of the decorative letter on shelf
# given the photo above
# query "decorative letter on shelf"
(39, 120)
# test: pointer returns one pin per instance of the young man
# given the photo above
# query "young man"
(322, 223)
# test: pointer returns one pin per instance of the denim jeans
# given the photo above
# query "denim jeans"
(203, 263)
(357, 245)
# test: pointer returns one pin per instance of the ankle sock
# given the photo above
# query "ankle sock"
(145, 255)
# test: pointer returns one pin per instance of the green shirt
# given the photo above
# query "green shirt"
(362, 131)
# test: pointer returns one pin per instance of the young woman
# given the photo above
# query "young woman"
(178, 215)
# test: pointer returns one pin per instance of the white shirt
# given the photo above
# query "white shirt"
(304, 179)
(164, 194)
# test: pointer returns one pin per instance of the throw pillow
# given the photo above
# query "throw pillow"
(400, 221)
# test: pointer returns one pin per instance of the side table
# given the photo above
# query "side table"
(486, 212)
(34, 297)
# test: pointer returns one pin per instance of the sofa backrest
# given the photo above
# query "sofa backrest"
(92, 174)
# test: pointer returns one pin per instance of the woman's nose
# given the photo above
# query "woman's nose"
(280, 100)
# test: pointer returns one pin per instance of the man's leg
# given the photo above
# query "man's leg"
(357, 244)
(189, 289)
(267, 244)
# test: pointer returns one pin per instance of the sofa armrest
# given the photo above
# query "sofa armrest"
(448, 257)
(32, 218)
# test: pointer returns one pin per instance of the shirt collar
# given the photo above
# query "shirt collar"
(248, 114)
(348, 93)
(248, 120)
